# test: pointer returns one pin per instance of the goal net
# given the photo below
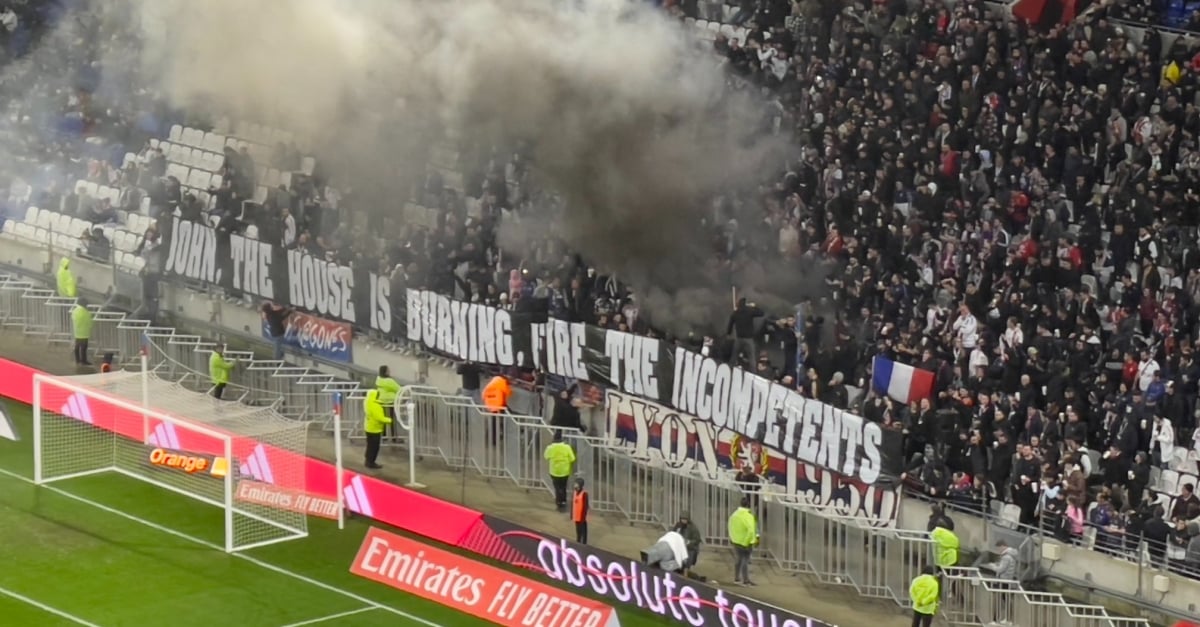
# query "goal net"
(248, 461)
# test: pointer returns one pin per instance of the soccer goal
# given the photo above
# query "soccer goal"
(248, 461)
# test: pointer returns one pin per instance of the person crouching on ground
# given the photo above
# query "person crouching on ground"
(691, 536)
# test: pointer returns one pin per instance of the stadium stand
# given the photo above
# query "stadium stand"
(1009, 208)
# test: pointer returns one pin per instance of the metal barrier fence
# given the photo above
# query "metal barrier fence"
(972, 598)
(876, 562)
(799, 538)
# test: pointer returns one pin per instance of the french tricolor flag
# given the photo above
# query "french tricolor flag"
(902, 383)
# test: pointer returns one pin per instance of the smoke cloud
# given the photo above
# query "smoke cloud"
(630, 129)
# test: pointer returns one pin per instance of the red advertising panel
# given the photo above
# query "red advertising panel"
(370, 497)
(590, 570)
(473, 588)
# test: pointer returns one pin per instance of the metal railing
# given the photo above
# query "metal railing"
(837, 550)
(799, 538)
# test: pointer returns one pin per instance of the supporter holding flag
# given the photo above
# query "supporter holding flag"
(901, 382)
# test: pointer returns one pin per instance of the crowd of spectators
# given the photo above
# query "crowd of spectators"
(1013, 210)
(1010, 208)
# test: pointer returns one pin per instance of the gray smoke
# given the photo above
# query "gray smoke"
(628, 127)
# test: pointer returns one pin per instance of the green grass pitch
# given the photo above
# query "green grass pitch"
(69, 557)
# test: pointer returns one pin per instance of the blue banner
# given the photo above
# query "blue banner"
(324, 339)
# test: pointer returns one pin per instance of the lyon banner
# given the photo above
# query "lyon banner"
(728, 399)
(712, 394)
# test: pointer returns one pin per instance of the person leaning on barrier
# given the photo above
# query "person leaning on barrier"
(938, 518)
(1006, 562)
(218, 371)
(81, 326)
(389, 389)
(691, 536)
(560, 457)
(924, 593)
(375, 421)
(743, 535)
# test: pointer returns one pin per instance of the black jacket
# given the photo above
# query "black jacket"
(741, 321)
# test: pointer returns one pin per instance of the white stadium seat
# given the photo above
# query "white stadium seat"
(176, 133)
(10, 227)
(154, 143)
(31, 214)
(44, 218)
(145, 208)
(214, 142)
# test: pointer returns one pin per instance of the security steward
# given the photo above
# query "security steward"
(496, 394)
(560, 457)
(495, 399)
(580, 506)
(81, 327)
(945, 546)
(389, 389)
(218, 371)
(375, 423)
(924, 593)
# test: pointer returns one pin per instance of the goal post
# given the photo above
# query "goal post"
(234, 457)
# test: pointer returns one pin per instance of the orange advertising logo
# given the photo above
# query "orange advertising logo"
(473, 588)
(269, 495)
(186, 462)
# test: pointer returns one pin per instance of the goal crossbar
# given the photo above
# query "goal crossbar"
(80, 430)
